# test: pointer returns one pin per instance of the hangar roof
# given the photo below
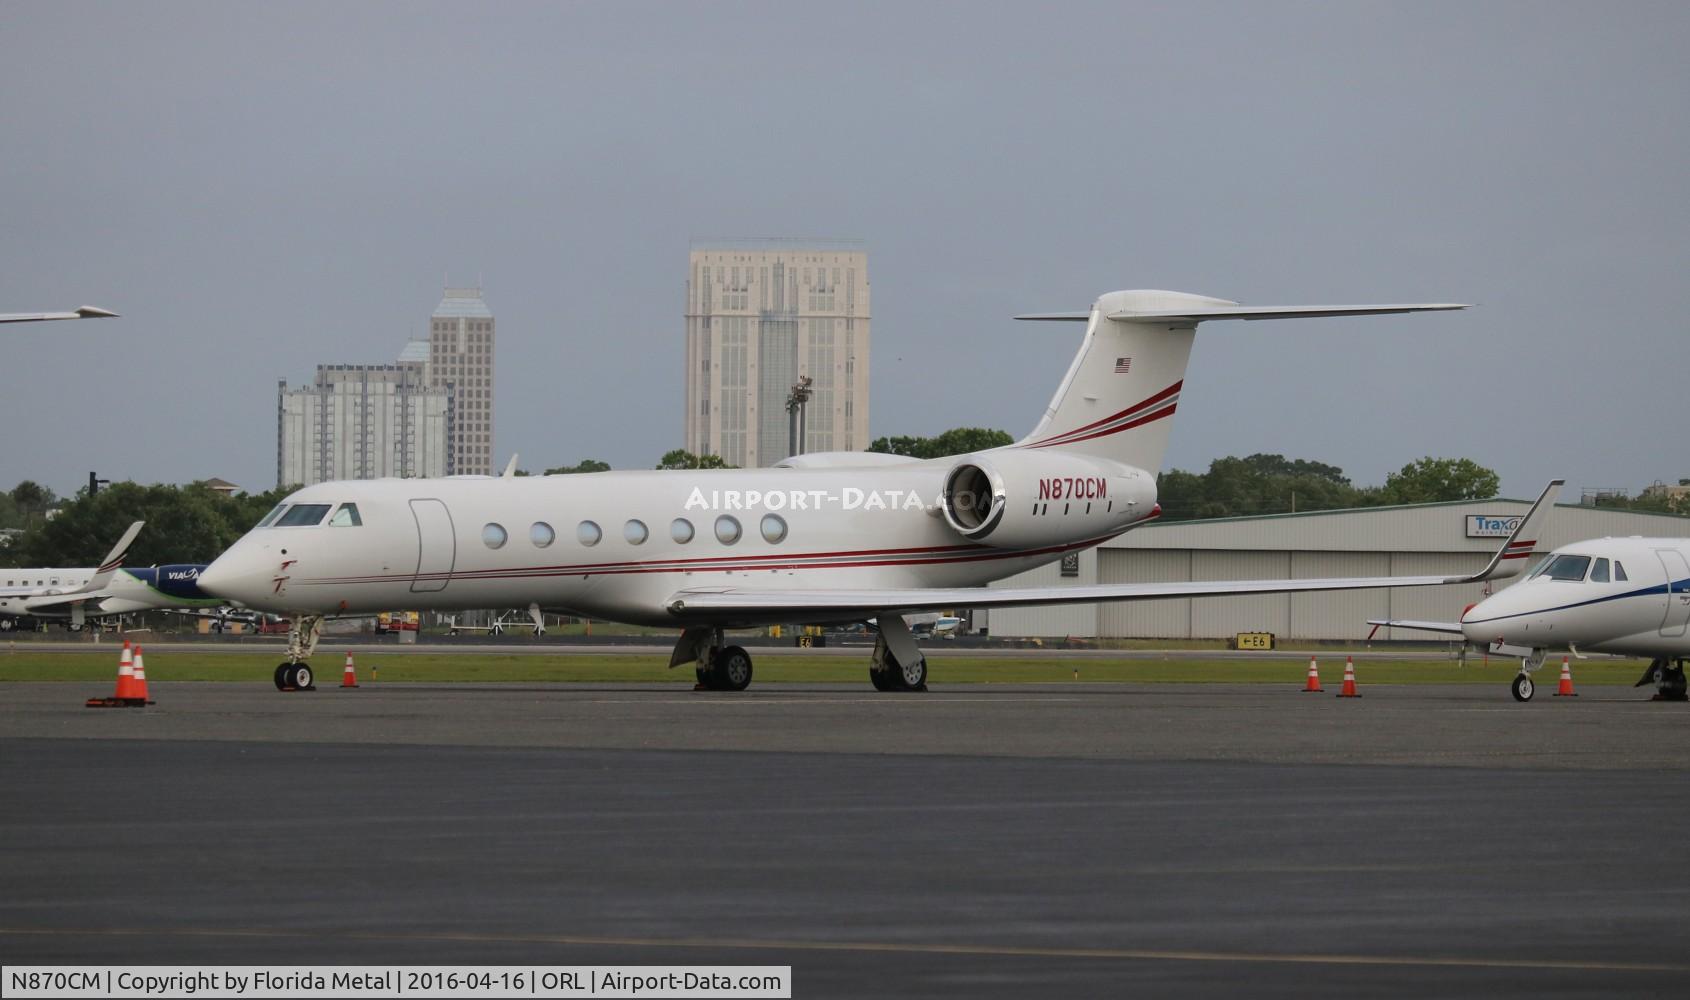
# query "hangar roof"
(1429, 527)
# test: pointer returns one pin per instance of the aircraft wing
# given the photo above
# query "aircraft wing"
(752, 603)
(85, 312)
(1452, 627)
(708, 602)
(57, 603)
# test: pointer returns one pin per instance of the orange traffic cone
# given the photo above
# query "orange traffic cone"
(1349, 689)
(129, 693)
(349, 676)
(1566, 689)
(140, 677)
(126, 672)
(1313, 683)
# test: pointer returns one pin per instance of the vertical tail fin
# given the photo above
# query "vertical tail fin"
(113, 561)
(1122, 389)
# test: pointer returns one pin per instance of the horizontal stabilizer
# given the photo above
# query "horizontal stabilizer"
(1199, 314)
(1061, 317)
(1204, 313)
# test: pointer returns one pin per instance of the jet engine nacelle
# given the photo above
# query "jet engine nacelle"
(1023, 498)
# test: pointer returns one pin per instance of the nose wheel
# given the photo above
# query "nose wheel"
(295, 677)
(1522, 687)
(295, 674)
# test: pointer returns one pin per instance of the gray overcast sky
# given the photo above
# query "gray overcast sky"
(260, 188)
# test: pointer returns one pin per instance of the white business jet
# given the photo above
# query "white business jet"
(1629, 596)
(70, 594)
(823, 538)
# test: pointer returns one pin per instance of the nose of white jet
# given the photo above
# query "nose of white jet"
(1488, 620)
(232, 577)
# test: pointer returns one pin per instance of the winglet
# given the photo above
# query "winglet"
(113, 560)
(510, 467)
(1511, 558)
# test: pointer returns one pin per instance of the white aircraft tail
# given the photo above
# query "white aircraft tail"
(1516, 553)
(1124, 385)
(114, 559)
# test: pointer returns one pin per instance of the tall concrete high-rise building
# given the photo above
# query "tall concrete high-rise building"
(460, 358)
(759, 314)
(361, 422)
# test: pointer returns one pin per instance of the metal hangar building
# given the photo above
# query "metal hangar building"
(1455, 537)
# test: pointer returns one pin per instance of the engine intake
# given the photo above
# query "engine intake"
(1028, 499)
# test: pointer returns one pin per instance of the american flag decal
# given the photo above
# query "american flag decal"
(1122, 364)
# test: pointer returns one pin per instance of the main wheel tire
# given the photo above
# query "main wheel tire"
(911, 677)
(704, 677)
(282, 676)
(1672, 685)
(731, 669)
(881, 679)
(299, 676)
(1523, 687)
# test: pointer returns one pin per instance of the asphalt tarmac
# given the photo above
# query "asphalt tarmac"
(1070, 840)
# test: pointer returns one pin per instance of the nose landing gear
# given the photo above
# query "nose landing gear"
(1522, 686)
(295, 674)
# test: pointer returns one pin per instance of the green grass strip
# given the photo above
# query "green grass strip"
(566, 667)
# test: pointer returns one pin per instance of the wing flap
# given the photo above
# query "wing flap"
(745, 601)
(1453, 628)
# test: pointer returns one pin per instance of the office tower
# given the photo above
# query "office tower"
(361, 422)
(460, 358)
(759, 314)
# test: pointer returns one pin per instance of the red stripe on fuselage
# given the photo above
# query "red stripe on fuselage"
(984, 554)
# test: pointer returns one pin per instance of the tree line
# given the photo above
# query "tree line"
(194, 523)
(185, 524)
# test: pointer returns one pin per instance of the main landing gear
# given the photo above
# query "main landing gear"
(1522, 685)
(295, 674)
(718, 667)
(897, 664)
(1667, 678)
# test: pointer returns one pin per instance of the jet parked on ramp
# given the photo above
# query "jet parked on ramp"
(820, 539)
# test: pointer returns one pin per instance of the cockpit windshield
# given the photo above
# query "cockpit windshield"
(346, 517)
(1568, 568)
(274, 513)
(303, 515)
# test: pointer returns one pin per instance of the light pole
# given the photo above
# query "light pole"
(795, 402)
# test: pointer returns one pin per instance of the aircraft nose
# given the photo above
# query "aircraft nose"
(224, 578)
